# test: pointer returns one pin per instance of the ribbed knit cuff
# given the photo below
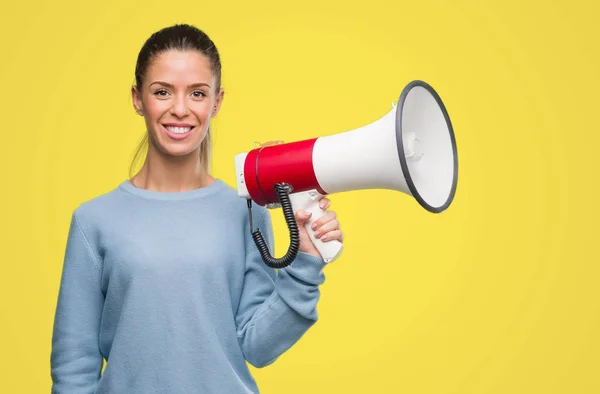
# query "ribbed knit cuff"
(307, 267)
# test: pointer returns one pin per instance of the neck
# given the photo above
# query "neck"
(167, 173)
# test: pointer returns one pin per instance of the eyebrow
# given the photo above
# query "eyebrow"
(194, 85)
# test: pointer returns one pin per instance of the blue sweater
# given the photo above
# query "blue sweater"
(169, 289)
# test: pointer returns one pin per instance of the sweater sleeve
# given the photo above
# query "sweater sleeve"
(75, 360)
(276, 308)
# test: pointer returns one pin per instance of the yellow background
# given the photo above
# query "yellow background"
(499, 294)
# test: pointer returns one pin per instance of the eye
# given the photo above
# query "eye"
(157, 93)
(201, 93)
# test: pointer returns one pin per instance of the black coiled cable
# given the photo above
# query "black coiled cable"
(283, 190)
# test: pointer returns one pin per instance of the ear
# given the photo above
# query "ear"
(218, 103)
(137, 100)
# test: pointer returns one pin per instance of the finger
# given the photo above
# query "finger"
(323, 219)
(333, 235)
(302, 216)
(327, 227)
(324, 203)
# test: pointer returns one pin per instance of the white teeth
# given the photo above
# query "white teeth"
(178, 130)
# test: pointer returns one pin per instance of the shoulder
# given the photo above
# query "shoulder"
(99, 204)
(239, 205)
(92, 213)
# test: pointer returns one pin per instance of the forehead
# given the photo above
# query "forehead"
(180, 67)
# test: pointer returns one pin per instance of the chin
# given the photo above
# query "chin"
(176, 148)
(182, 150)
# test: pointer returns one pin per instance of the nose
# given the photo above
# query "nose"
(180, 107)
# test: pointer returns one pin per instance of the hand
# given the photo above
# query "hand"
(326, 228)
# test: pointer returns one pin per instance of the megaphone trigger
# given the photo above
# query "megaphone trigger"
(309, 201)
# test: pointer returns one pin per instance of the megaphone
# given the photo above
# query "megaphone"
(411, 149)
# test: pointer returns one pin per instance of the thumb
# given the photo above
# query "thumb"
(302, 216)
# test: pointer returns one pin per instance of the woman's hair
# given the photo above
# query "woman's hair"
(180, 37)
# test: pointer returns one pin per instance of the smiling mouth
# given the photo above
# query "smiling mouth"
(178, 130)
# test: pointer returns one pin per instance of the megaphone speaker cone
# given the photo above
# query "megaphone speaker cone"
(426, 146)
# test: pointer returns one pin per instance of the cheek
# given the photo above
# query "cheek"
(156, 109)
(204, 111)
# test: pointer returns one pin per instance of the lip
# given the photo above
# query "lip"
(177, 137)
(178, 124)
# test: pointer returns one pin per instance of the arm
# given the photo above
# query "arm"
(276, 309)
(75, 360)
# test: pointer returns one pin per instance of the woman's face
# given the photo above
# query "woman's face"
(177, 100)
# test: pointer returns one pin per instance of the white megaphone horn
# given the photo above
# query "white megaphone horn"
(411, 149)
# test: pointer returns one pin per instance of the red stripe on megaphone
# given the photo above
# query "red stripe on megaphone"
(290, 163)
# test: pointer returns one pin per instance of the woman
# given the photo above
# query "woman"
(161, 277)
